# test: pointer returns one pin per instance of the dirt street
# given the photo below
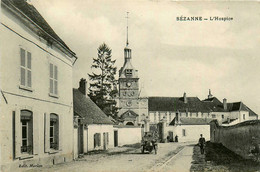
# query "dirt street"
(131, 159)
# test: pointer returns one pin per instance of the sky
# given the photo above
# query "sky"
(172, 57)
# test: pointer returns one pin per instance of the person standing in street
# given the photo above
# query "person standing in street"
(202, 142)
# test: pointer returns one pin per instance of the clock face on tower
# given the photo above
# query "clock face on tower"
(129, 103)
(128, 84)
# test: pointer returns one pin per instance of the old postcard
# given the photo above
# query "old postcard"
(142, 85)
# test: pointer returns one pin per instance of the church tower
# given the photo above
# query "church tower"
(128, 88)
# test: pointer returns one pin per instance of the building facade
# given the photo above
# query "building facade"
(36, 97)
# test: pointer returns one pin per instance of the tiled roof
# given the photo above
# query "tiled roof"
(31, 12)
(87, 109)
(214, 105)
(194, 104)
(176, 104)
(240, 106)
(228, 121)
(191, 121)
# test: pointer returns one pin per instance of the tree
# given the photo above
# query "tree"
(103, 85)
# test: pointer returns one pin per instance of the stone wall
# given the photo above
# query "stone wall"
(242, 138)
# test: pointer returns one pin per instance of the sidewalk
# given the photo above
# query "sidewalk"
(181, 162)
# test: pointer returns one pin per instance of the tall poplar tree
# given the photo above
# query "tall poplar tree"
(103, 85)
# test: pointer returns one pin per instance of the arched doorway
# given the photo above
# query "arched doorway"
(129, 123)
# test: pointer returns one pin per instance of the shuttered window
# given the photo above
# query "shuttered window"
(26, 68)
(54, 131)
(53, 79)
(26, 132)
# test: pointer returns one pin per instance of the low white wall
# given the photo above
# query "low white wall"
(128, 135)
(95, 128)
(192, 132)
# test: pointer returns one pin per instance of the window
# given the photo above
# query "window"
(53, 79)
(190, 114)
(244, 116)
(222, 116)
(213, 116)
(26, 68)
(183, 132)
(97, 140)
(54, 131)
(27, 130)
(128, 71)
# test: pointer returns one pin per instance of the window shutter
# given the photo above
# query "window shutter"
(55, 72)
(46, 132)
(60, 142)
(18, 137)
(22, 76)
(35, 134)
(55, 79)
(29, 72)
(29, 78)
(22, 54)
(29, 60)
(51, 70)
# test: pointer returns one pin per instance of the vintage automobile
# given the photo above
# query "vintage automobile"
(149, 143)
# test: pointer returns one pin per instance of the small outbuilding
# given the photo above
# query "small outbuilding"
(93, 129)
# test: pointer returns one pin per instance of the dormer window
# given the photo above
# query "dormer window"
(128, 71)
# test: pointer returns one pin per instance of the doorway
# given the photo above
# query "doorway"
(80, 138)
(115, 138)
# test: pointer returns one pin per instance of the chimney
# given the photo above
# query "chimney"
(185, 98)
(83, 86)
(210, 95)
(225, 103)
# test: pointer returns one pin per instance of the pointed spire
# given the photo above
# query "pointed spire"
(127, 28)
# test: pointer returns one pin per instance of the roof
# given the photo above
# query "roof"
(129, 115)
(228, 121)
(31, 12)
(240, 106)
(87, 109)
(213, 104)
(176, 104)
(194, 104)
(126, 126)
(191, 121)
